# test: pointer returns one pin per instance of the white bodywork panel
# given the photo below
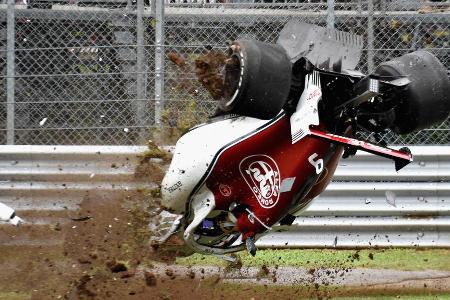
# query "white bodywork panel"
(306, 113)
(194, 152)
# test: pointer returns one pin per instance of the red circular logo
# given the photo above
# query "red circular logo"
(225, 190)
(262, 175)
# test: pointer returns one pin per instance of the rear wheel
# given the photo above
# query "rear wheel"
(426, 100)
(257, 79)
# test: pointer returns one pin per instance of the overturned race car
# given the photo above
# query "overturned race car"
(290, 111)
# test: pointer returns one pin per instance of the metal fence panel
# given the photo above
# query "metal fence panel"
(101, 72)
(82, 73)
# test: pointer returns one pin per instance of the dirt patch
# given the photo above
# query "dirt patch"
(98, 249)
(184, 70)
(150, 278)
(108, 247)
(193, 75)
(112, 247)
(149, 167)
(177, 59)
(208, 69)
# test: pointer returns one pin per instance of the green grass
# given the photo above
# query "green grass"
(278, 292)
(396, 258)
(14, 296)
(404, 297)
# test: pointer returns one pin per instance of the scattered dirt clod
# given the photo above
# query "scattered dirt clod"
(127, 274)
(208, 70)
(150, 278)
(116, 267)
(265, 270)
(82, 288)
(84, 260)
(170, 273)
(177, 59)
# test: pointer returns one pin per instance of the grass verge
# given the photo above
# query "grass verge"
(395, 258)
(14, 296)
(268, 292)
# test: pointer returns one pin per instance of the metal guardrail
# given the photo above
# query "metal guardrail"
(367, 204)
(56, 177)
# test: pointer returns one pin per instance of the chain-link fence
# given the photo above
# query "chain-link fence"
(119, 71)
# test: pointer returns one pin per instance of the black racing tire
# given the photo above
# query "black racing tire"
(257, 79)
(426, 100)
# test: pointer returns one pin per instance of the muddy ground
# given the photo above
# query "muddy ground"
(106, 255)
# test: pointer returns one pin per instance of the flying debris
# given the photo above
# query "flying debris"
(7, 214)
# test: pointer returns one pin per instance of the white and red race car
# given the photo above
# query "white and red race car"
(291, 110)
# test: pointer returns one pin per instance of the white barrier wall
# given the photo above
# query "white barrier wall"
(368, 203)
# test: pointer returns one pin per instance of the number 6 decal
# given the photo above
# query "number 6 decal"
(318, 164)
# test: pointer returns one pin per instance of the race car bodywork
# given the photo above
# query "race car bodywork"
(289, 114)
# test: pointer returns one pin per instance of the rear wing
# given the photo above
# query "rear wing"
(400, 157)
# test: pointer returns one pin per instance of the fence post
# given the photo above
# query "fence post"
(140, 66)
(359, 9)
(159, 60)
(330, 14)
(370, 37)
(10, 72)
